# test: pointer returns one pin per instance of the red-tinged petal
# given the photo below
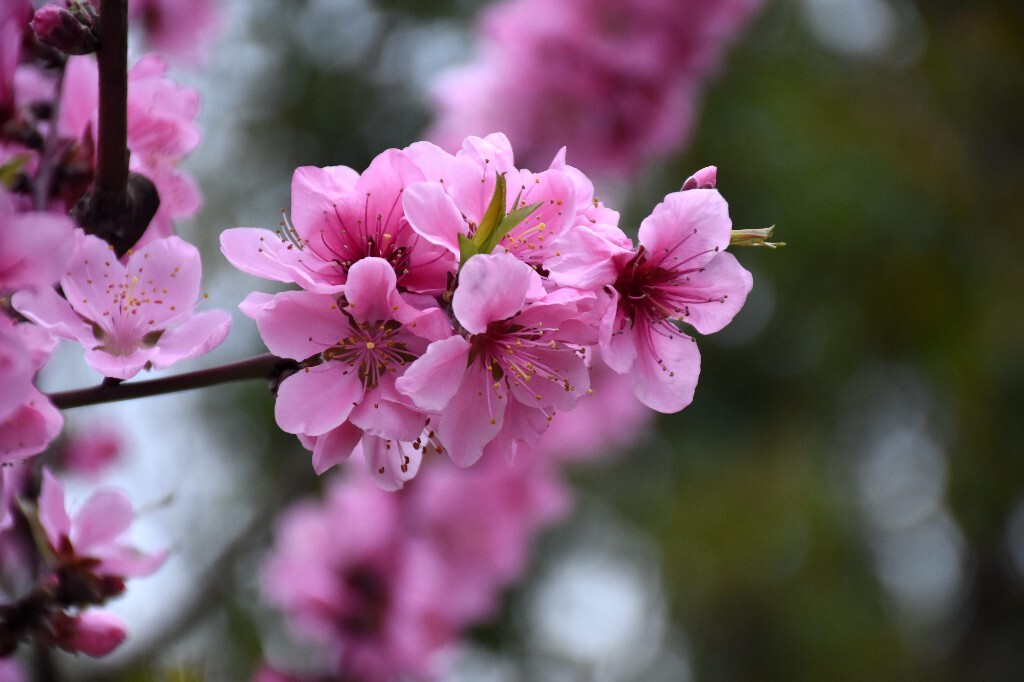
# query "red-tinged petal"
(316, 400)
(335, 446)
(432, 379)
(687, 229)
(725, 284)
(665, 373)
(492, 287)
(102, 519)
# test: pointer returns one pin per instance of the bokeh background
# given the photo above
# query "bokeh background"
(845, 497)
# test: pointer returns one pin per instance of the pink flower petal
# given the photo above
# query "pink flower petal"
(296, 324)
(335, 446)
(316, 400)
(197, 336)
(472, 418)
(46, 308)
(53, 515)
(263, 254)
(665, 373)
(432, 379)
(370, 290)
(30, 428)
(687, 229)
(433, 214)
(726, 284)
(492, 287)
(102, 519)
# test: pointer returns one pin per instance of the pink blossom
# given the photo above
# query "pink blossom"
(161, 130)
(129, 316)
(616, 80)
(28, 421)
(92, 540)
(338, 218)
(705, 178)
(482, 522)
(346, 581)
(10, 670)
(511, 371)
(456, 202)
(35, 247)
(361, 344)
(181, 28)
(679, 272)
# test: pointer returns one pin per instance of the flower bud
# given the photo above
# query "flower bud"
(705, 178)
(60, 29)
(97, 633)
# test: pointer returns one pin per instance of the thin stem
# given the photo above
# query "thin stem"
(111, 180)
(267, 366)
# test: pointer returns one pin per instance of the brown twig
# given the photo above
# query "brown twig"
(266, 366)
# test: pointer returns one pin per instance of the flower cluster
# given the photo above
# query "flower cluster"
(453, 303)
(615, 80)
(386, 582)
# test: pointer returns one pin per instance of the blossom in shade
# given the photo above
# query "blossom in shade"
(512, 370)
(482, 521)
(90, 449)
(132, 315)
(35, 247)
(355, 349)
(181, 28)
(92, 541)
(28, 420)
(161, 131)
(618, 81)
(338, 218)
(347, 582)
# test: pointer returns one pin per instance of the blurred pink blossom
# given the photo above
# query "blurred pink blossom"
(90, 449)
(94, 633)
(618, 81)
(161, 130)
(28, 421)
(347, 581)
(92, 540)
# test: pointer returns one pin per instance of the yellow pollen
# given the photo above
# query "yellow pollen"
(369, 345)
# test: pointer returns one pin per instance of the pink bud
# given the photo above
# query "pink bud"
(60, 29)
(97, 633)
(705, 178)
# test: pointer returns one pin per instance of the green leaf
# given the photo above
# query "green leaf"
(9, 171)
(467, 248)
(505, 226)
